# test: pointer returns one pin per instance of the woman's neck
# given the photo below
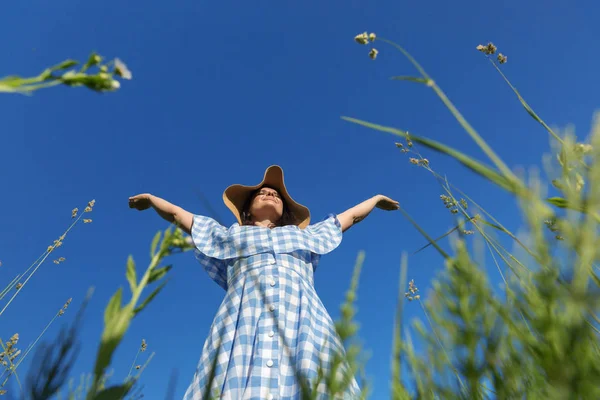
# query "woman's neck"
(264, 223)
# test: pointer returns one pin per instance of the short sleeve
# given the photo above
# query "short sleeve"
(324, 236)
(209, 238)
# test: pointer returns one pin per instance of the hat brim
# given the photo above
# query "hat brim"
(236, 196)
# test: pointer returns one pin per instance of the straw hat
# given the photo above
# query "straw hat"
(236, 196)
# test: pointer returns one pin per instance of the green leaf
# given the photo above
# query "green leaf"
(114, 392)
(527, 106)
(410, 78)
(596, 279)
(154, 244)
(64, 65)
(425, 235)
(47, 73)
(150, 298)
(130, 274)
(114, 330)
(441, 237)
(158, 273)
(474, 165)
(166, 241)
(114, 307)
(564, 203)
(558, 202)
(11, 86)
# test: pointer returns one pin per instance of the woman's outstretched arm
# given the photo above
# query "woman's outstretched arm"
(168, 211)
(360, 211)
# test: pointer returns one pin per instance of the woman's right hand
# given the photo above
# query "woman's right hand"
(140, 201)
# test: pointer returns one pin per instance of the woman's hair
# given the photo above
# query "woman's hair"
(287, 218)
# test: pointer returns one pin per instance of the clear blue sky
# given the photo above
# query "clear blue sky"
(221, 90)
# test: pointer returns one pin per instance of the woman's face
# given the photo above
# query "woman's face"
(267, 204)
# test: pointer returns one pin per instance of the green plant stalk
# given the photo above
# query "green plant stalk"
(119, 325)
(117, 318)
(29, 348)
(133, 363)
(459, 117)
(9, 287)
(11, 366)
(525, 104)
(43, 257)
(398, 391)
(446, 186)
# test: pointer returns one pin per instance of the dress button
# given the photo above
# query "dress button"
(270, 363)
(271, 334)
(273, 261)
(270, 397)
(272, 282)
(271, 307)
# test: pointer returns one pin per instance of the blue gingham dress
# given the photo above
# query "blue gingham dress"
(271, 324)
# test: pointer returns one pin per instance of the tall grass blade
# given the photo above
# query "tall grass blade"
(476, 166)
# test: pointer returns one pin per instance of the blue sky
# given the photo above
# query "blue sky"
(220, 91)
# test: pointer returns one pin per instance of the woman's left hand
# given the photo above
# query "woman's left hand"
(385, 203)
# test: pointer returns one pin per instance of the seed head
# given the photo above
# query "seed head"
(362, 38)
(579, 183)
(488, 49)
(502, 58)
(373, 54)
(138, 366)
(143, 346)
(413, 161)
(551, 224)
(14, 339)
(583, 148)
(74, 212)
(412, 291)
(19, 286)
(122, 70)
(372, 37)
(449, 202)
(87, 221)
(67, 303)
(94, 59)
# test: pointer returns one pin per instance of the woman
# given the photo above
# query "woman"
(271, 328)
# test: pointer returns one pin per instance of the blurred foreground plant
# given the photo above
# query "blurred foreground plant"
(104, 80)
(538, 336)
(118, 317)
(52, 364)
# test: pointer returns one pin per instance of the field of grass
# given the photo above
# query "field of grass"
(535, 338)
